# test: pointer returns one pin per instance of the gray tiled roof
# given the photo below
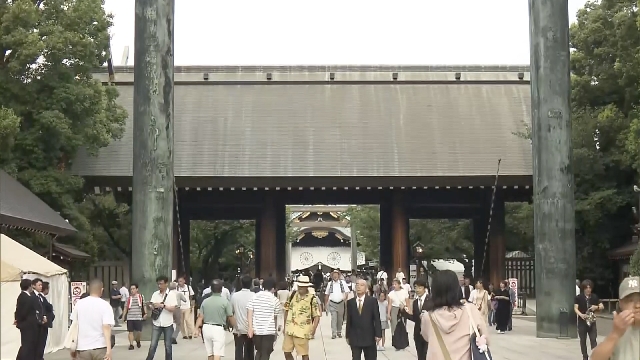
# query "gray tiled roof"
(20, 208)
(337, 129)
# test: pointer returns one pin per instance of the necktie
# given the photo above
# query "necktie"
(360, 306)
(419, 304)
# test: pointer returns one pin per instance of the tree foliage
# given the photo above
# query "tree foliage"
(605, 65)
(50, 106)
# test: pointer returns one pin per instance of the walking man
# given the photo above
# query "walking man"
(115, 301)
(177, 315)
(302, 316)
(239, 302)
(133, 314)
(164, 304)
(215, 313)
(186, 308)
(586, 304)
(335, 297)
(363, 324)
(262, 314)
(95, 318)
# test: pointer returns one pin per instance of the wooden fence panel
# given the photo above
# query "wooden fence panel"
(109, 271)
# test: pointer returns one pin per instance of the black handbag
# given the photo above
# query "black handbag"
(476, 353)
(400, 338)
(155, 313)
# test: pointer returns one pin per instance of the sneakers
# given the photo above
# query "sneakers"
(380, 348)
(138, 344)
(131, 347)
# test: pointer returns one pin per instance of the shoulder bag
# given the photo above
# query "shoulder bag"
(155, 313)
(476, 352)
(436, 330)
(71, 340)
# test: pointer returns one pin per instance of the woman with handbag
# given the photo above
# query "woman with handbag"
(454, 331)
(481, 300)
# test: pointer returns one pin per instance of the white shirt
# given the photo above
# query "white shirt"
(473, 297)
(577, 290)
(124, 292)
(382, 275)
(206, 291)
(400, 276)
(187, 291)
(337, 295)
(421, 299)
(360, 301)
(225, 293)
(398, 298)
(265, 308)
(470, 290)
(92, 313)
(166, 317)
(407, 288)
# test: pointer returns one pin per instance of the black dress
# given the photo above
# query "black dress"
(502, 313)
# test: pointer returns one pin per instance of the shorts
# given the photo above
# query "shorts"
(300, 345)
(214, 339)
(134, 325)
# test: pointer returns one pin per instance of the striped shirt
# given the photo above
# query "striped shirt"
(134, 311)
(265, 308)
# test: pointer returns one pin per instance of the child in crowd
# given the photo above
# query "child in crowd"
(384, 322)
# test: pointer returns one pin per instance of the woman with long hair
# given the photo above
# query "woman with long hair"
(504, 307)
(481, 299)
(450, 320)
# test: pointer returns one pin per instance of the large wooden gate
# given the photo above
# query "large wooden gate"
(521, 266)
(109, 271)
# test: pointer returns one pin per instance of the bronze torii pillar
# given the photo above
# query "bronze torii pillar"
(399, 237)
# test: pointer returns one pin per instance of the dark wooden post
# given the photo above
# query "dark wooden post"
(268, 234)
(281, 241)
(553, 199)
(400, 237)
(497, 242)
(185, 260)
(386, 248)
(153, 143)
(480, 246)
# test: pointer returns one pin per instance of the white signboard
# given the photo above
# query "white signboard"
(77, 289)
(513, 284)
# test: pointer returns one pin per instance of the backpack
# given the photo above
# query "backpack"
(140, 301)
(311, 300)
(342, 290)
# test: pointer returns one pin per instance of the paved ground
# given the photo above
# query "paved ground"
(519, 344)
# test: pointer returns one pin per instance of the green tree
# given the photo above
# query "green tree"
(605, 65)
(213, 246)
(48, 50)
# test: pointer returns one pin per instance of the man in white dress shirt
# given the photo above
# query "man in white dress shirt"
(335, 300)
(399, 275)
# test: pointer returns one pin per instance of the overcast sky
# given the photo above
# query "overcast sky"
(312, 32)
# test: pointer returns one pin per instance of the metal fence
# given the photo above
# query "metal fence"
(522, 269)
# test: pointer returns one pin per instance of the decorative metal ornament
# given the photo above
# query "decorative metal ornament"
(306, 259)
(320, 234)
(333, 259)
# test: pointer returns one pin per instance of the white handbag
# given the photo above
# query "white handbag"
(71, 340)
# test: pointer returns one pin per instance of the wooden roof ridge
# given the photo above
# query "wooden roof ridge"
(22, 209)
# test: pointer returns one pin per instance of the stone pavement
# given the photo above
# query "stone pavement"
(519, 344)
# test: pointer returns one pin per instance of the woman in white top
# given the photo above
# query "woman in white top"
(397, 300)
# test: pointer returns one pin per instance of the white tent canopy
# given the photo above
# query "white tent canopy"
(19, 262)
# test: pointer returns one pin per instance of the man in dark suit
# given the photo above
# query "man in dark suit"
(25, 321)
(419, 305)
(363, 323)
(49, 315)
(40, 304)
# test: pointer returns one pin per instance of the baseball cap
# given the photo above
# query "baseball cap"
(629, 286)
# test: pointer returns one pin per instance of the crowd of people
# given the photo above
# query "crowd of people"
(362, 307)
